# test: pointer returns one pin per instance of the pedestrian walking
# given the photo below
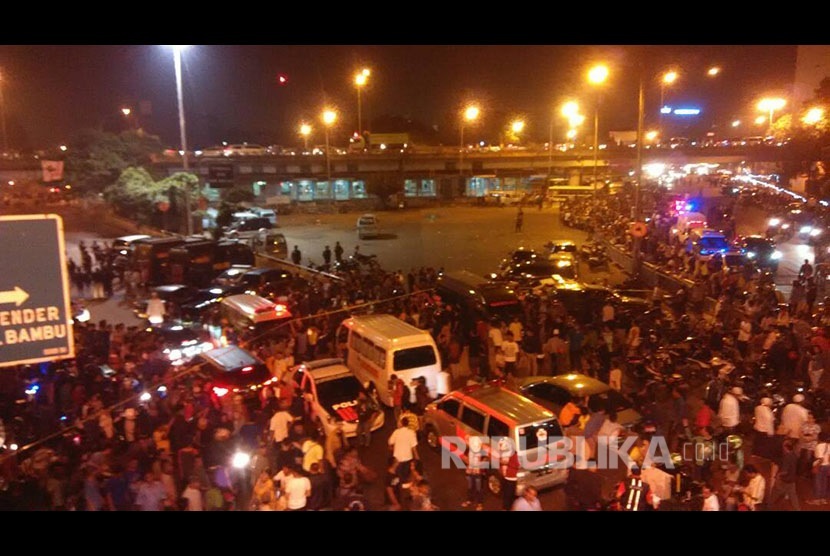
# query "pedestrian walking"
(296, 255)
(520, 216)
(338, 252)
(327, 255)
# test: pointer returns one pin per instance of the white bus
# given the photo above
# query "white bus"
(378, 346)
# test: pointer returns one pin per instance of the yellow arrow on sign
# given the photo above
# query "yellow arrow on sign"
(16, 296)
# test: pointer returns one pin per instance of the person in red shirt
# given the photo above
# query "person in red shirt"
(703, 417)
(396, 388)
(509, 470)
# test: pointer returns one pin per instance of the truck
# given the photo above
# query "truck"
(380, 142)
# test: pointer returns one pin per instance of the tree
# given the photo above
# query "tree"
(239, 195)
(383, 185)
(95, 159)
(136, 195)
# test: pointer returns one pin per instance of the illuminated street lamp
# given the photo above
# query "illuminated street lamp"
(667, 80)
(470, 114)
(329, 117)
(760, 120)
(736, 123)
(305, 131)
(713, 71)
(651, 136)
(517, 127)
(813, 116)
(771, 105)
(360, 80)
(177, 63)
(597, 76)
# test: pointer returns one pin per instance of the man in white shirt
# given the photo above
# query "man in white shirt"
(280, 423)
(710, 500)
(744, 336)
(193, 495)
(753, 493)
(821, 471)
(730, 408)
(297, 490)
(793, 416)
(510, 350)
(516, 328)
(404, 443)
(764, 418)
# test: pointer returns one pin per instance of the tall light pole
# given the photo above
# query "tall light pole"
(3, 115)
(667, 80)
(569, 110)
(177, 62)
(641, 103)
(360, 80)
(470, 114)
(597, 76)
(305, 131)
(771, 105)
(329, 117)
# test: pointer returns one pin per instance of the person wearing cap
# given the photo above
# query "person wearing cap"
(792, 417)
(729, 410)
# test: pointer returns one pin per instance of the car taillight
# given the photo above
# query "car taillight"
(219, 391)
(247, 369)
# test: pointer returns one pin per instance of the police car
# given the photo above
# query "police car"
(332, 391)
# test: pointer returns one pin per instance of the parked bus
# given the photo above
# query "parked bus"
(200, 262)
(378, 346)
(152, 256)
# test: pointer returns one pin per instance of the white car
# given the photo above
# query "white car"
(332, 391)
(367, 226)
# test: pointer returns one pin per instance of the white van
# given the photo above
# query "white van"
(254, 315)
(687, 222)
(378, 346)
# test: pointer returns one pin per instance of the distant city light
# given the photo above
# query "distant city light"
(713, 71)
(736, 123)
(686, 111)
(666, 110)
(760, 120)
(63, 148)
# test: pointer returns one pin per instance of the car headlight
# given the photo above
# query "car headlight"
(815, 232)
(175, 354)
(805, 230)
(774, 221)
(785, 227)
(776, 255)
(750, 255)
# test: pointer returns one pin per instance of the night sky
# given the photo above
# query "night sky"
(232, 92)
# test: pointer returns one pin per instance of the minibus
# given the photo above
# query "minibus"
(378, 346)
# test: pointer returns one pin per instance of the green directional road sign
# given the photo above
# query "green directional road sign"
(35, 313)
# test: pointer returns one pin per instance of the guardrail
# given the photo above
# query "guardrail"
(270, 261)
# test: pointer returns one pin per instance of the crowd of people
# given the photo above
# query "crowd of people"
(100, 444)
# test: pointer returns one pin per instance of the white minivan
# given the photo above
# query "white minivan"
(378, 346)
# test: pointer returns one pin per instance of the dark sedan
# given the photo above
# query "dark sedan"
(761, 251)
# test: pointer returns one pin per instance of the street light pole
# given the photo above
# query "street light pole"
(550, 150)
(3, 116)
(596, 142)
(461, 151)
(640, 117)
(177, 61)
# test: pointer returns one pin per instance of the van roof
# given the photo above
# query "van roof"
(387, 330)
(258, 307)
(466, 282)
(508, 405)
(231, 357)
